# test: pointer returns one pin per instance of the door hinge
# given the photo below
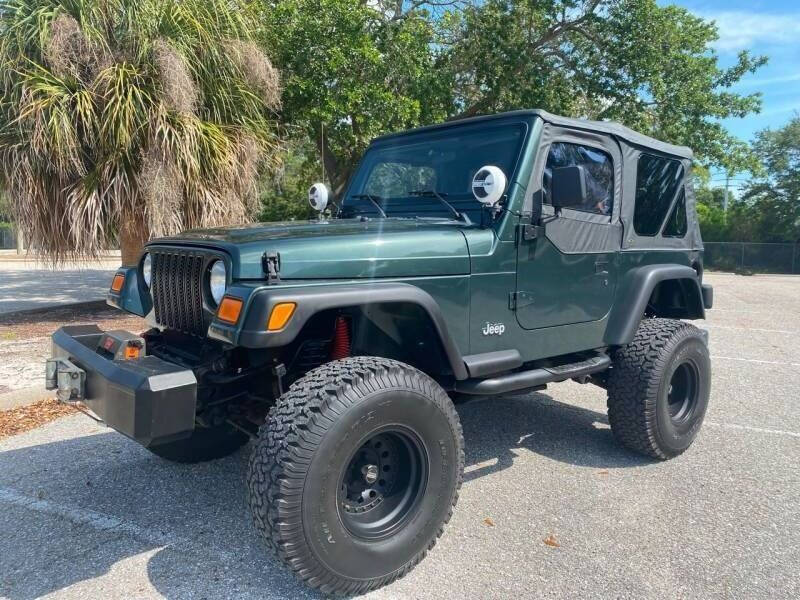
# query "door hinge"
(519, 300)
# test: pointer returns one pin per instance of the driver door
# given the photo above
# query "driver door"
(566, 274)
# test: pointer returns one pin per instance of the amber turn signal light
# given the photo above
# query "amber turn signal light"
(132, 352)
(116, 283)
(229, 309)
(280, 315)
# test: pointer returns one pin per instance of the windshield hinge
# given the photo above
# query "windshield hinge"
(527, 232)
(518, 300)
(271, 264)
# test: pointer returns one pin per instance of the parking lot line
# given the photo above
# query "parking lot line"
(754, 429)
(82, 516)
(783, 331)
(757, 361)
(103, 522)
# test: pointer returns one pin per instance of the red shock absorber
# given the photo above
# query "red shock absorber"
(340, 348)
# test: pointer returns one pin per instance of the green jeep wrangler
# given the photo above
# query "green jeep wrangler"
(468, 259)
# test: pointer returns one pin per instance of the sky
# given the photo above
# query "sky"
(770, 28)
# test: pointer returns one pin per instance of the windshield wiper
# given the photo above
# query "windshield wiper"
(375, 201)
(440, 197)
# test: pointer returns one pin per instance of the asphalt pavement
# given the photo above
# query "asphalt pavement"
(85, 512)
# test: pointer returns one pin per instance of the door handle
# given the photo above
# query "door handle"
(601, 267)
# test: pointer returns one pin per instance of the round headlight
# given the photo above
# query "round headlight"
(147, 269)
(218, 281)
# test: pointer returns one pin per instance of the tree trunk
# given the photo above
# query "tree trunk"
(132, 237)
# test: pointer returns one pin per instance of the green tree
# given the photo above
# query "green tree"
(359, 69)
(131, 118)
(648, 66)
(355, 70)
(775, 198)
(283, 197)
(710, 213)
(5, 209)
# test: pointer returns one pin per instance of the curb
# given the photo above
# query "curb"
(23, 397)
(45, 309)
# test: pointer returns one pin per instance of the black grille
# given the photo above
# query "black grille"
(177, 288)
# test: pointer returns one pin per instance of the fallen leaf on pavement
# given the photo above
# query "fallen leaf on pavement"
(24, 418)
(488, 522)
(550, 540)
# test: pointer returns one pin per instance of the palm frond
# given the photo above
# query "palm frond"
(161, 109)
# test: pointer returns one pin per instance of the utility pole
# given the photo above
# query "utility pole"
(322, 148)
(727, 186)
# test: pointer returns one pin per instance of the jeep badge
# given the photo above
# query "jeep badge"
(494, 329)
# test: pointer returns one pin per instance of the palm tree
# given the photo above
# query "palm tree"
(131, 118)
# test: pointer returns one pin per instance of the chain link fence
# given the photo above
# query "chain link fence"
(753, 257)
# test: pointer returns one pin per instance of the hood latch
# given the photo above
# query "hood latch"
(271, 264)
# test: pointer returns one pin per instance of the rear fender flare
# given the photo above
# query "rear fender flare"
(637, 287)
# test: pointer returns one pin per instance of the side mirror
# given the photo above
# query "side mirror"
(569, 187)
(318, 196)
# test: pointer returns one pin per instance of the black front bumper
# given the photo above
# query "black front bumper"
(148, 399)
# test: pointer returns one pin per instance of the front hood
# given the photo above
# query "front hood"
(340, 249)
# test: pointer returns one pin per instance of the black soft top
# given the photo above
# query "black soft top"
(609, 127)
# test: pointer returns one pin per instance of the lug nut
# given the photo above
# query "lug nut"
(370, 473)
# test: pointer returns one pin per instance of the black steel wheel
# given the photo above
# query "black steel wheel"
(383, 483)
(683, 392)
(658, 388)
(356, 472)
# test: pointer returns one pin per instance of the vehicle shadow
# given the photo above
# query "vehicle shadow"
(495, 429)
(195, 517)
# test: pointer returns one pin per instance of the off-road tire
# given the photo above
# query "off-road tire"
(203, 445)
(639, 385)
(296, 467)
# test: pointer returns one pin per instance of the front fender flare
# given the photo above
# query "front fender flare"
(130, 298)
(252, 333)
(636, 289)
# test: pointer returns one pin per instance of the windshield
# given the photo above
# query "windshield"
(420, 175)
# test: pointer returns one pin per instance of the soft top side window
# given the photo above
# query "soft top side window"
(599, 169)
(658, 182)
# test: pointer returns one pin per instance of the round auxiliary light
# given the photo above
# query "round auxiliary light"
(147, 269)
(218, 280)
(488, 185)
(318, 195)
